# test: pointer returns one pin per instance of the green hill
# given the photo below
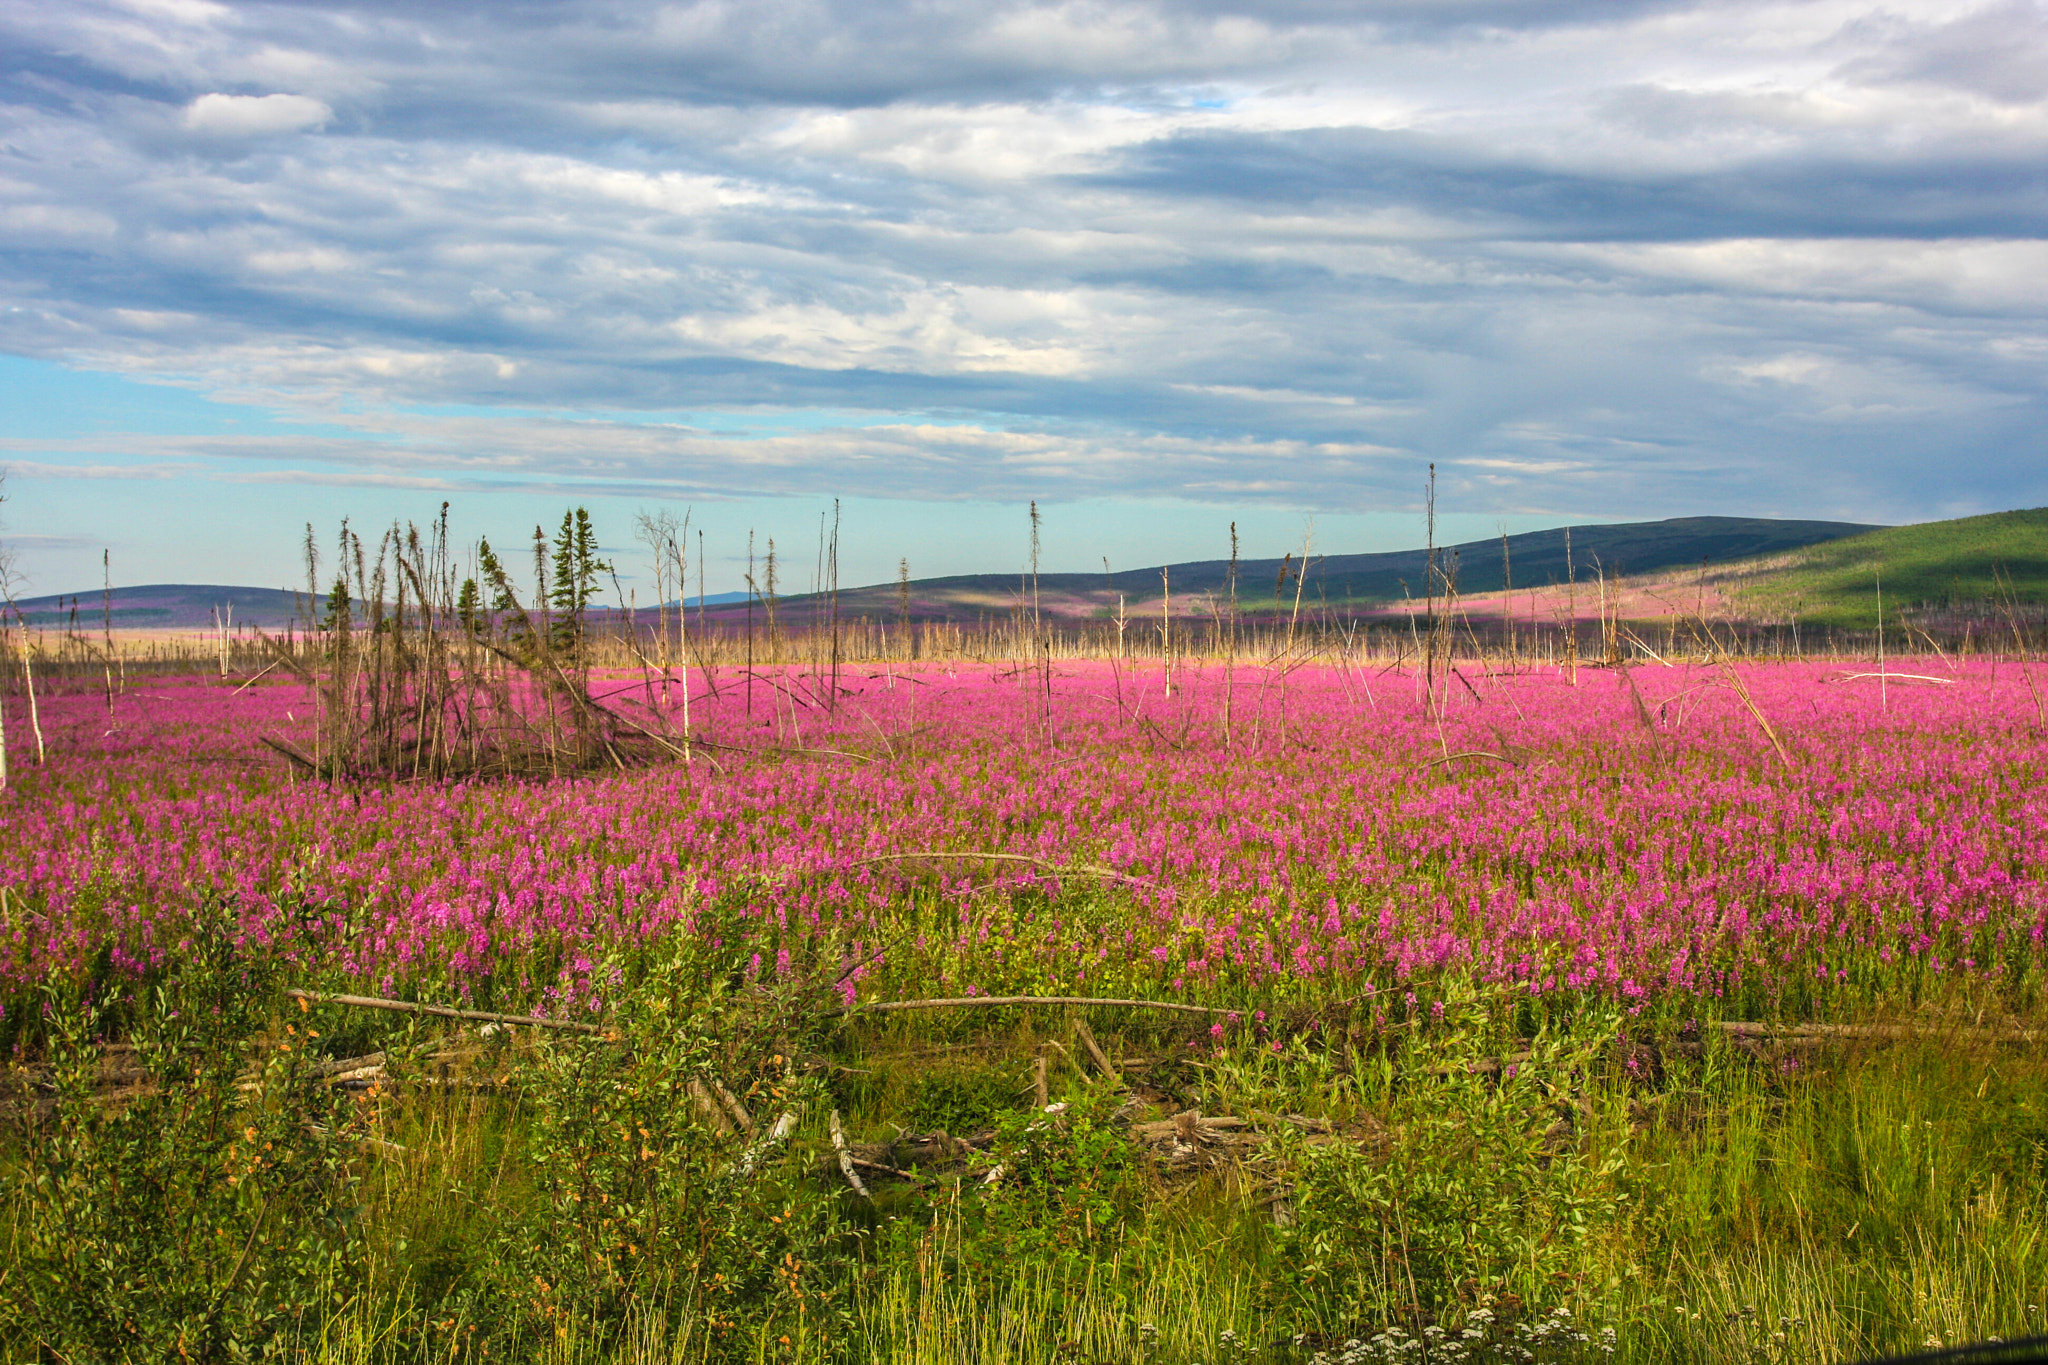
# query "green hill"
(1962, 564)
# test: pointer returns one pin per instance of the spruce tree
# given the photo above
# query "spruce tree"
(576, 571)
(338, 615)
(504, 606)
(469, 606)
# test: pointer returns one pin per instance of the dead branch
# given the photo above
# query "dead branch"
(846, 1165)
(257, 678)
(372, 1002)
(986, 1001)
(1901, 677)
(1052, 868)
(1095, 1050)
(1472, 753)
(763, 1147)
(700, 1096)
(1893, 1033)
(290, 753)
(735, 1108)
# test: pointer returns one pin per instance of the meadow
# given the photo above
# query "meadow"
(1684, 1010)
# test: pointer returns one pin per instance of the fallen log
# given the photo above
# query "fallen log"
(846, 1163)
(1805, 1033)
(751, 1159)
(373, 1002)
(990, 1001)
(1095, 1050)
(1042, 864)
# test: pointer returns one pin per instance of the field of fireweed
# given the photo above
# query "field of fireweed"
(1664, 1012)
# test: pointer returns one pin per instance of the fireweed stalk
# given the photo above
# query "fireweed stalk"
(1633, 835)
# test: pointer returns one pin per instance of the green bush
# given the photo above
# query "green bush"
(1480, 1194)
(959, 1101)
(1072, 1186)
(209, 1217)
(641, 1207)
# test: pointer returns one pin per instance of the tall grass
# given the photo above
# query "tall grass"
(1831, 1203)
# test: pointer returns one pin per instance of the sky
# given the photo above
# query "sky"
(1159, 265)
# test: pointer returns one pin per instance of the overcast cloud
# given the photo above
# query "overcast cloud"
(1620, 257)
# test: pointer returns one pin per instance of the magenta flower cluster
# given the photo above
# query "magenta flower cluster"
(1634, 834)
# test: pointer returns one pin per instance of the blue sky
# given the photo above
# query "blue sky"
(1159, 265)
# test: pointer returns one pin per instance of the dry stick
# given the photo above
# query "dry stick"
(1901, 677)
(846, 1158)
(1471, 753)
(373, 1002)
(1893, 1032)
(256, 679)
(1056, 869)
(986, 1001)
(1087, 1037)
(1735, 681)
(720, 1122)
(1041, 1090)
(739, 1111)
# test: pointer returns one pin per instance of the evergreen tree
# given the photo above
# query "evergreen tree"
(469, 606)
(576, 570)
(338, 615)
(504, 606)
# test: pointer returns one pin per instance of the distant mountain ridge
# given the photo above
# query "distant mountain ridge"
(1359, 581)
(191, 606)
(1534, 559)
(163, 606)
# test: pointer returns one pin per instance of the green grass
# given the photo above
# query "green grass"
(1704, 1204)
(1964, 562)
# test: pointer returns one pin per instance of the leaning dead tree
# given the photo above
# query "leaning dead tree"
(421, 673)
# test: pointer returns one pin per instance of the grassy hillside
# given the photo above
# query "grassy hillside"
(1931, 566)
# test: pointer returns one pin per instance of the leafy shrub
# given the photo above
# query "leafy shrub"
(959, 1101)
(206, 1218)
(642, 1206)
(1478, 1195)
(1071, 1186)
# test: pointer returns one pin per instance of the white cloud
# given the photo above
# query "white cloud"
(255, 115)
(1639, 247)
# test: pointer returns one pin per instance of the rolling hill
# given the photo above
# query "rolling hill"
(1823, 571)
(1970, 563)
(163, 606)
(1361, 581)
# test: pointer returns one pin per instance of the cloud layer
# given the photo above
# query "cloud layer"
(1618, 256)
